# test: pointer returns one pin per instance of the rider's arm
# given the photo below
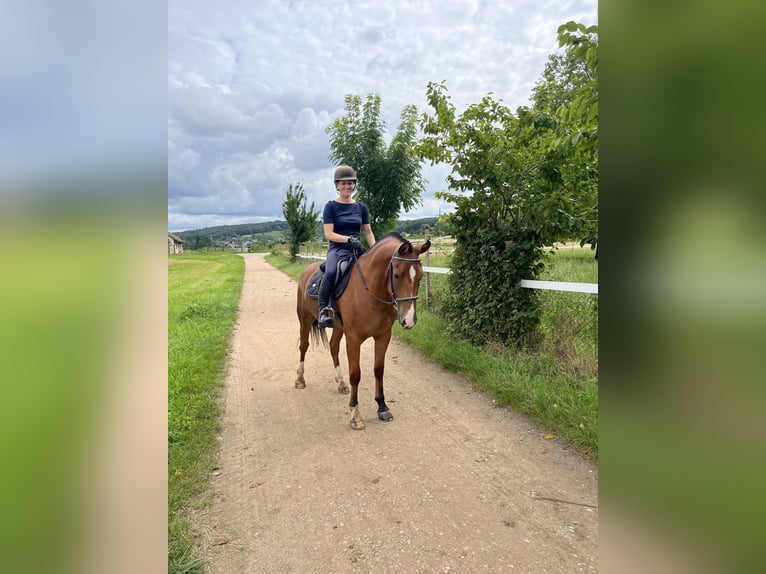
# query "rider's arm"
(368, 234)
(330, 235)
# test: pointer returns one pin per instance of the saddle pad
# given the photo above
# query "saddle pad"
(312, 289)
(344, 267)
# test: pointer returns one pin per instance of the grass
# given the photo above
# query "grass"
(569, 321)
(559, 399)
(203, 297)
(576, 265)
(557, 386)
(282, 262)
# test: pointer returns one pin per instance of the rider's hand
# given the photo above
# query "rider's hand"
(355, 243)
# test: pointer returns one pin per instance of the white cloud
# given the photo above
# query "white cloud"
(253, 86)
(187, 160)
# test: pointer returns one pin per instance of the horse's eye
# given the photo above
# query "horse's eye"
(397, 276)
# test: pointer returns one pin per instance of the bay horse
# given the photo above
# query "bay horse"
(382, 288)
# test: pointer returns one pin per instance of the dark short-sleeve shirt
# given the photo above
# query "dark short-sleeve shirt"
(346, 218)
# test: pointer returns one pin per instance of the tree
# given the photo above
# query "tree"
(202, 241)
(389, 177)
(302, 221)
(561, 81)
(579, 120)
(519, 182)
(499, 222)
(582, 109)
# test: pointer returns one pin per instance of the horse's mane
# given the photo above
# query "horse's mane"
(389, 237)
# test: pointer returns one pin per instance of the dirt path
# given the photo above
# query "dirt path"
(452, 484)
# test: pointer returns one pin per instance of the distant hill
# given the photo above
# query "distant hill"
(417, 226)
(276, 231)
(228, 232)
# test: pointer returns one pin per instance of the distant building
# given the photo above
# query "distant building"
(175, 244)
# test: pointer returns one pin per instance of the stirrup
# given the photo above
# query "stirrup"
(324, 319)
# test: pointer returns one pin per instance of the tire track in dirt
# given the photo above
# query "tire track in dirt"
(452, 484)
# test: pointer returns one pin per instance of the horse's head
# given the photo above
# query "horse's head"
(405, 272)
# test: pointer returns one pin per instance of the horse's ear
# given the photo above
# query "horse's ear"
(425, 246)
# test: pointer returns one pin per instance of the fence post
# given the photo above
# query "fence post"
(428, 264)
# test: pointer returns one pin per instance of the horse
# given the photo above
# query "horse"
(382, 288)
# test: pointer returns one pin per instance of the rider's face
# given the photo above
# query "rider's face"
(345, 187)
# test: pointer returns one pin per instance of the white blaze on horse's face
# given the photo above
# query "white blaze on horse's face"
(405, 283)
(408, 288)
(409, 319)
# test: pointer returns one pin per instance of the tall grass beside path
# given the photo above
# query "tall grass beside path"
(203, 298)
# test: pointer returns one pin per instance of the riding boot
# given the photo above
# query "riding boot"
(324, 297)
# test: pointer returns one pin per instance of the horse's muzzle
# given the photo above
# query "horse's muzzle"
(409, 318)
(408, 321)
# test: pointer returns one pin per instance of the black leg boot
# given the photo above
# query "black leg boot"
(324, 297)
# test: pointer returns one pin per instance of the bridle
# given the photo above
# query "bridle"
(390, 274)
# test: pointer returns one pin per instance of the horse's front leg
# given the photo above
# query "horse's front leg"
(354, 375)
(337, 335)
(381, 345)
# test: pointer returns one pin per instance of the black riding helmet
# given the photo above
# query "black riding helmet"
(344, 173)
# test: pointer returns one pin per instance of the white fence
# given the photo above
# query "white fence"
(527, 283)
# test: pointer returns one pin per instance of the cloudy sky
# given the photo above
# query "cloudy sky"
(252, 85)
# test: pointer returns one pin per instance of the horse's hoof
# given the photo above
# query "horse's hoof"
(300, 384)
(344, 390)
(357, 425)
(386, 416)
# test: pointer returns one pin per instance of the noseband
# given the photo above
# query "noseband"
(390, 273)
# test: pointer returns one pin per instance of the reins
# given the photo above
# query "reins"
(394, 299)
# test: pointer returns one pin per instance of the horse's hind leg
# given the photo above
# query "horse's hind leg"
(337, 334)
(300, 382)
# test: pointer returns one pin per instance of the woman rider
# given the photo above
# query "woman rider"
(343, 219)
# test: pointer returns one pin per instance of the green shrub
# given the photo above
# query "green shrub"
(485, 302)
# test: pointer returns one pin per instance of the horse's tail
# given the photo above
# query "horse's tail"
(319, 335)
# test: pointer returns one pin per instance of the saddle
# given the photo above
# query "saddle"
(341, 280)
